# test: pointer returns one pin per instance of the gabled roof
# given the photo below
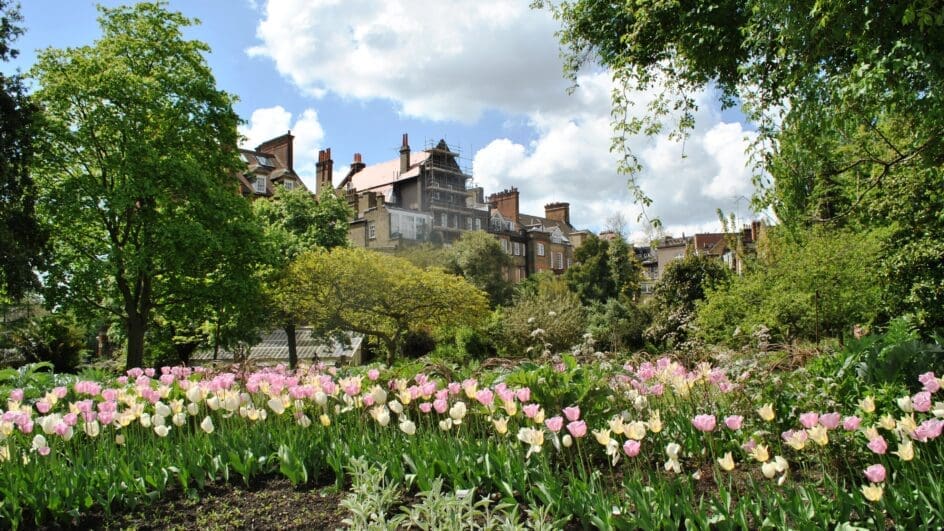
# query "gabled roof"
(528, 221)
(385, 173)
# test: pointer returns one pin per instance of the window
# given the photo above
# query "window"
(478, 224)
(468, 223)
(570, 263)
(243, 157)
(517, 248)
(506, 246)
(540, 249)
(558, 261)
(436, 196)
(263, 160)
(288, 184)
(442, 219)
(260, 184)
(372, 230)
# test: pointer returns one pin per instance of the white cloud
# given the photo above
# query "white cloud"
(454, 60)
(270, 122)
(437, 60)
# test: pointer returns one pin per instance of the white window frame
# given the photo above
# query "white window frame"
(289, 184)
(478, 224)
(259, 184)
(371, 230)
(540, 249)
(517, 248)
(557, 260)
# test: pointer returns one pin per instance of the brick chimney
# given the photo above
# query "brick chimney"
(281, 148)
(558, 212)
(755, 230)
(405, 155)
(506, 202)
(358, 164)
(324, 171)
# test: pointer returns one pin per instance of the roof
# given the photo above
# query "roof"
(527, 220)
(274, 349)
(385, 173)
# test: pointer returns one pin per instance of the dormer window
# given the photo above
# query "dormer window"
(288, 184)
(259, 186)
(263, 160)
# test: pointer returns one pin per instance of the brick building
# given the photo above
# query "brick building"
(271, 164)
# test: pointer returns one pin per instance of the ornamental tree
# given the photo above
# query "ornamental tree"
(380, 296)
(134, 167)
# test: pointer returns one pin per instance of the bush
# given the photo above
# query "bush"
(813, 285)
(53, 338)
(619, 325)
(545, 316)
(683, 284)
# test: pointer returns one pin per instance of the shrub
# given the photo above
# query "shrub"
(681, 286)
(54, 338)
(618, 325)
(547, 317)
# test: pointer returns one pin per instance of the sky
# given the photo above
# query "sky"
(485, 75)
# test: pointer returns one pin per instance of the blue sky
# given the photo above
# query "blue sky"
(353, 75)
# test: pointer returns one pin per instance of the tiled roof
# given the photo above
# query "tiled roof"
(274, 349)
(386, 173)
(528, 220)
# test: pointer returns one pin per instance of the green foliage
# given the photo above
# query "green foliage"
(479, 258)
(134, 169)
(426, 255)
(22, 239)
(682, 285)
(546, 316)
(619, 325)
(379, 295)
(898, 356)
(603, 270)
(53, 338)
(812, 285)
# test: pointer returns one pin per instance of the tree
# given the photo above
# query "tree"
(625, 270)
(682, 285)
(294, 223)
(379, 295)
(846, 96)
(546, 315)
(135, 168)
(603, 270)
(21, 238)
(479, 258)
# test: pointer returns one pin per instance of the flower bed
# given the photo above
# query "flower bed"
(638, 445)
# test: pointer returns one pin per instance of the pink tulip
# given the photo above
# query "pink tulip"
(523, 394)
(921, 402)
(851, 423)
(373, 374)
(572, 413)
(577, 428)
(927, 430)
(43, 406)
(485, 397)
(704, 423)
(369, 400)
(656, 390)
(809, 419)
(878, 445)
(631, 447)
(554, 423)
(734, 422)
(426, 407)
(930, 382)
(531, 410)
(454, 388)
(875, 473)
(440, 406)
(749, 445)
(830, 421)
(44, 451)
(16, 395)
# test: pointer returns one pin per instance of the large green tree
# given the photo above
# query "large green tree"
(478, 257)
(21, 238)
(135, 168)
(294, 222)
(380, 295)
(847, 97)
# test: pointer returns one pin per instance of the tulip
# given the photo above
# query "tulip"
(554, 423)
(830, 421)
(809, 419)
(567, 440)
(921, 402)
(407, 426)
(395, 406)
(766, 412)
(796, 439)
(726, 462)
(635, 430)
(878, 445)
(872, 492)
(457, 412)
(867, 404)
(572, 413)
(875, 473)
(905, 404)
(760, 453)
(162, 430)
(276, 405)
(734, 422)
(851, 423)
(631, 448)
(905, 450)
(602, 436)
(501, 425)
(324, 419)
(445, 424)
(577, 428)
(818, 435)
(888, 421)
(207, 424)
(654, 424)
(704, 423)
(534, 437)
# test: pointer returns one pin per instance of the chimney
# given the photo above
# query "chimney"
(358, 164)
(506, 202)
(324, 171)
(558, 212)
(755, 230)
(281, 148)
(405, 155)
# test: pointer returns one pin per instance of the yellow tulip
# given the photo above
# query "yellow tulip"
(905, 451)
(766, 412)
(872, 492)
(727, 462)
(760, 453)
(867, 404)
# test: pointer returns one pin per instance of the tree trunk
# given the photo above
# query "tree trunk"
(136, 329)
(292, 350)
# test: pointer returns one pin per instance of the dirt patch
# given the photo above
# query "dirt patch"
(268, 503)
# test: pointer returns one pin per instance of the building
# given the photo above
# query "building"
(271, 164)
(418, 197)
(535, 243)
